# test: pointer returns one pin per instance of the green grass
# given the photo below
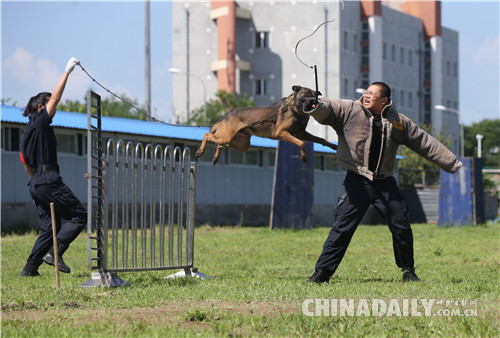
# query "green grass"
(258, 287)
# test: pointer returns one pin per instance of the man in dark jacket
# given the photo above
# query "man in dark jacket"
(370, 132)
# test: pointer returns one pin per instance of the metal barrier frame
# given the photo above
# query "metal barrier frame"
(135, 194)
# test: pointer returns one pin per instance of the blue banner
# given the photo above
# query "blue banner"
(293, 193)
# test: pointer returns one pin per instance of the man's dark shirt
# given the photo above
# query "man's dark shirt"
(376, 143)
(38, 141)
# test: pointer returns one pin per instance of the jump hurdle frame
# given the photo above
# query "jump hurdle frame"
(141, 206)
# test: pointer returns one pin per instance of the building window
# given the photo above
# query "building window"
(393, 53)
(66, 143)
(427, 71)
(448, 68)
(11, 139)
(346, 87)
(365, 36)
(455, 69)
(364, 80)
(262, 40)
(261, 87)
(346, 41)
(318, 162)
(329, 163)
(410, 99)
(252, 157)
(427, 50)
(356, 43)
(402, 56)
(410, 58)
(236, 157)
(271, 158)
(208, 154)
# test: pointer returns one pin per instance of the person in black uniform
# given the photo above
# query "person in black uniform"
(39, 157)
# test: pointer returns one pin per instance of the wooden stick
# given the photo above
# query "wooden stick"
(54, 239)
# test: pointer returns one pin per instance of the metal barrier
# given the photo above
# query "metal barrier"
(141, 207)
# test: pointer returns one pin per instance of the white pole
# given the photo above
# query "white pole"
(479, 138)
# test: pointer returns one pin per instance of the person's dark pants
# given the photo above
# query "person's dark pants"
(47, 187)
(359, 192)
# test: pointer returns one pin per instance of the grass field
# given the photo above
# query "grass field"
(258, 287)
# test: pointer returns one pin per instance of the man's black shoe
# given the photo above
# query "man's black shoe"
(320, 276)
(409, 275)
(49, 259)
(30, 270)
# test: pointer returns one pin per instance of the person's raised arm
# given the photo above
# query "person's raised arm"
(59, 89)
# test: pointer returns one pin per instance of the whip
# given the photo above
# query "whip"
(307, 37)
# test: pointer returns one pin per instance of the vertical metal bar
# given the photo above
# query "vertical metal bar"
(134, 208)
(180, 204)
(111, 151)
(171, 204)
(95, 180)
(190, 213)
(157, 171)
(143, 168)
(90, 182)
(150, 186)
(105, 207)
(119, 157)
(126, 221)
(161, 212)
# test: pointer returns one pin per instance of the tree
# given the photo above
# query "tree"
(7, 101)
(216, 108)
(110, 106)
(490, 145)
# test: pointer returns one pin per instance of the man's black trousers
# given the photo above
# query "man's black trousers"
(359, 192)
(46, 187)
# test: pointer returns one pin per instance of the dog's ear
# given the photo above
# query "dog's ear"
(296, 88)
(318, 93)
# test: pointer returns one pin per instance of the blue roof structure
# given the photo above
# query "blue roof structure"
(73, 120)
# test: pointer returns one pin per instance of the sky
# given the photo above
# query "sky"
(39, 37)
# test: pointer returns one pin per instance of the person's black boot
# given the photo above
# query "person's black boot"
(409, 275)
(30, 269)
(49, 258)
(320, 276)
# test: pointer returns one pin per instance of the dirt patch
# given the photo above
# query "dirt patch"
(184, 313)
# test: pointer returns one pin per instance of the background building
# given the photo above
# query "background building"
(249, 48)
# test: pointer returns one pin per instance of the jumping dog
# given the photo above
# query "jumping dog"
(282, 120)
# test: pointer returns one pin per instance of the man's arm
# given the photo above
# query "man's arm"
(59, 89)
(430, 148)
(329, 111)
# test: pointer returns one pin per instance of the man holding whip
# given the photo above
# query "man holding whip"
(39, 157)
(370, 132)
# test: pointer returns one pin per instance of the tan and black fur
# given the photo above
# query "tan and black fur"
(282, 120)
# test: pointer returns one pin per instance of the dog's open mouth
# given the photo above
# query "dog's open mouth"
(308, 104)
